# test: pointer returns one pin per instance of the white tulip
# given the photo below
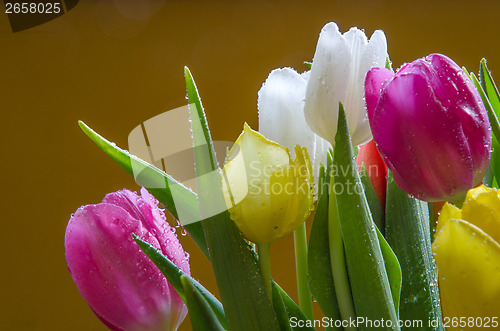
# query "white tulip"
(281, 115)
(338, 75)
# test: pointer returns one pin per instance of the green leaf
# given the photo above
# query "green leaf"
(495, 125)
(172, 194)
(280, 309)
(200, 312)
(294, 312)
(391, 261)
(174, 274)
(408, 233)
(243, 294)
(393, 269)
(488, 178)
(368, 277)
(388, 63)
(489, 86)
(373, 200)
(319, 266)
(308, 64)
(153, 176)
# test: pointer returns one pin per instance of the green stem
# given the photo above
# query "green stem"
(300, 241)
(264, 252)
(337, 259)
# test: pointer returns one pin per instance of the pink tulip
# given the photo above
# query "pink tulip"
(430, 126)
(119, 282)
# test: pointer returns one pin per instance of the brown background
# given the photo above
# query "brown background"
(117, 67)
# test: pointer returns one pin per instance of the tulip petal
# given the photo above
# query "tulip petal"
(371, 54)
(293, 191)
(145, 208)
(375, 80)
(247, 184)
(116, 279)
(281, 115)
(375, 168)
(469, 275)
(326, 87)
(468, 107)
(408, 123)
(268, 194)
(448, 212)
(337, 75)
(482, 208)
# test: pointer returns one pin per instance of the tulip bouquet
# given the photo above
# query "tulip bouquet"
(373, 154)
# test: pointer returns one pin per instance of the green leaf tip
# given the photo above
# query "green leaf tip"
(85, 128)
(174, 274)
(187, 72)
(368, 280)
(201, 314)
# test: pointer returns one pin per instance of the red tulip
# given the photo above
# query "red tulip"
(375, 167)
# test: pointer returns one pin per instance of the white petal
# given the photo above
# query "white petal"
(281, 115)
(320, 152)
(306, 75)
(354, 103)
(327, 82)
(378, 47)
(356, 39)
(374, 55)
(363, 132)
(281, 103)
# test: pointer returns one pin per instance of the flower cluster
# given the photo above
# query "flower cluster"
(421, 134)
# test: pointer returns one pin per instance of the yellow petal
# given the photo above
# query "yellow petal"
(482, 208)
(447, 213)
(468, 262)
(260, 181)
(296, 198)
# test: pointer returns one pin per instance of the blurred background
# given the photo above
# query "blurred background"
(115, 64)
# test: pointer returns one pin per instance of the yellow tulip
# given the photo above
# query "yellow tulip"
(267, 193)
(467, 253)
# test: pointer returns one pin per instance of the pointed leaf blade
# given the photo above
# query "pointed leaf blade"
(369, 281)
(319, 265)
(236, 273)
(174, 274)
(172, 194)
(408, 233)
(200, 313)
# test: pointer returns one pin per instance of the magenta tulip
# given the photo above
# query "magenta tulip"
(119, 282)
(431, 127)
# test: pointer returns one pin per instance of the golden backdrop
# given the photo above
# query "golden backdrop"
(115, 64)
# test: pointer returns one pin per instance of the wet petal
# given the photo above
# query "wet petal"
(469, 270)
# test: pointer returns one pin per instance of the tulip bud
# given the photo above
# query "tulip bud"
(467, 253)
(337, 75)
(269, 195)
(431, 127)
(119, 282)
(375, 167)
